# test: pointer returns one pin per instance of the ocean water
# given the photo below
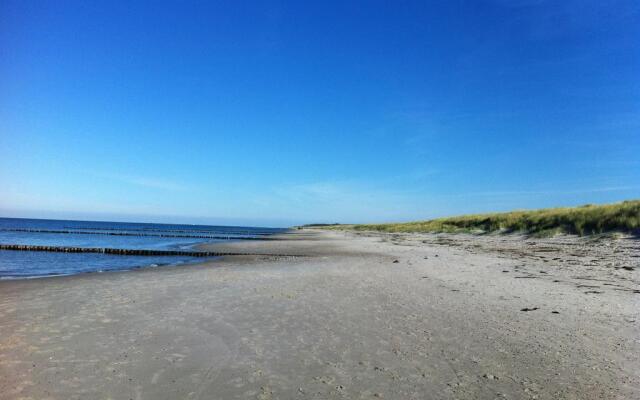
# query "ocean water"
(119, 235)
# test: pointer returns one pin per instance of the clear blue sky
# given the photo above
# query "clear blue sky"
(272, 113)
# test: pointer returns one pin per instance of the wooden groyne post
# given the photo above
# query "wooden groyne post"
(132, 252)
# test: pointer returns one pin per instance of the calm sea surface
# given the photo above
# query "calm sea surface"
(119, 235)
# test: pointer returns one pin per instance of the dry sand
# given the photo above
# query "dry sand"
(447, 320)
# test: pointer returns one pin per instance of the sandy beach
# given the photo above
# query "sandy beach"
(356, 316)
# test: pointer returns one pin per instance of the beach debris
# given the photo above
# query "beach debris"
(265, 393)
(555, 312)
(395, 261)
(489, 376)
(529, 308)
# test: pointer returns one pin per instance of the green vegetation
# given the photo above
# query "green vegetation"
(584, 220)
(318, 225)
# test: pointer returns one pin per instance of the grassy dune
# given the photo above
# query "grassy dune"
(584, 220)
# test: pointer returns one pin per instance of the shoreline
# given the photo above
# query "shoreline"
(365, 315)
(114, 271)
(198, 250)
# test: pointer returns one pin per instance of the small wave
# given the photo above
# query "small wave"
(16, 277)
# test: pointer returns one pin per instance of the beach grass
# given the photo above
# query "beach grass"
(584, 220)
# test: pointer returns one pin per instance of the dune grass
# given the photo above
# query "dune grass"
(584, 220)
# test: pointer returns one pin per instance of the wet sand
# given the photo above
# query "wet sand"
(362, 316)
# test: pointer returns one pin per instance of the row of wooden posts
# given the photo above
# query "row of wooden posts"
(227, 237)
(132, 252)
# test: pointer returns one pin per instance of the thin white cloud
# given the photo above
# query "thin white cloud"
(542, 192)
(148, 182)
(344, 201)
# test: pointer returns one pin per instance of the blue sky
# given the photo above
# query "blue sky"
(274, 113)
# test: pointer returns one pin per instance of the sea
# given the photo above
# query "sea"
(99, 234)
